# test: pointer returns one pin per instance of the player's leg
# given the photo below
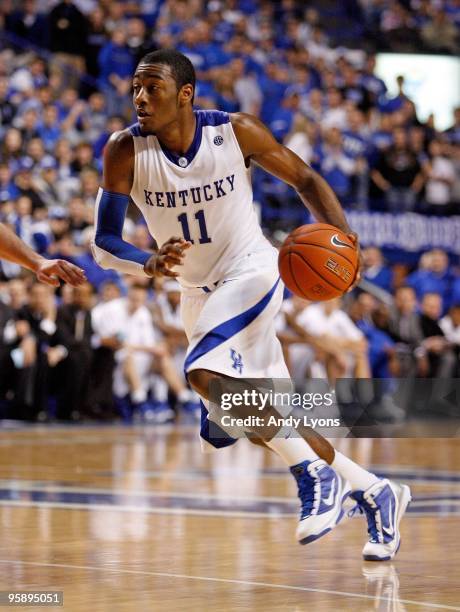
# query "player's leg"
(321, 491)
(238, 319)
(250, 301)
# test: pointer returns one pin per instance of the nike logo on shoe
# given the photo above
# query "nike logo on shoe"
(329, 500)
(390, 530)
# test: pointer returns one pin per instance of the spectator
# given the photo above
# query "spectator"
(453, 133)
(329, 324)
(450, 325)
(96, 39)
(440, 356)
(435, 276)
(8, 190)
(301, 137)
(28, 24)
(49, 131)
(68, 34)
(273, 86)
(19, 355)
(375, 270)
(48, 187)
(28, 126)
(167, 319)
(298, 345)
(116, 65)
(39, 316)
(403, 326)
(314, 107)
(283, 118)
(334, 165)
(440, 173)
(94, 117)
(335, 115)
(126, 323)
(226, 97)
(7, 109)
(440, 35)
(136, 39)
(398, 174)
(380, 345)
(246, 88)
(74, 332)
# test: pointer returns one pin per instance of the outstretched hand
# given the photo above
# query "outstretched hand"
(170, 254)
(49, 271)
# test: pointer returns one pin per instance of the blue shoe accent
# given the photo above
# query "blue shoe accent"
(384, 504)
(320, 492)
(306, 488)
(380, 514)
(161, 412)
(317, 500)
(124, 408)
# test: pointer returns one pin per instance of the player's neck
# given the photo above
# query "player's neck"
(178, 136)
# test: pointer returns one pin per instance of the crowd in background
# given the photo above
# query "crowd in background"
(307, 69)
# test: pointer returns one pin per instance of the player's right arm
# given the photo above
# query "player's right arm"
(48, 271)
(109, 248)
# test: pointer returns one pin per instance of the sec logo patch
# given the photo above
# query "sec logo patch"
(218, 140)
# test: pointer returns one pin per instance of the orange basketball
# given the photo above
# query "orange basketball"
(318, 262)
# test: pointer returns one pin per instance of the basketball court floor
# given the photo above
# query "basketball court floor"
(137, 519)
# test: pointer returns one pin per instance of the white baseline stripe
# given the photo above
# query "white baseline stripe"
(268, 585)
(174, 511)
(31, 486)
(143, 509)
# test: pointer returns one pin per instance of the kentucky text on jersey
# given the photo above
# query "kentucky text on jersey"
(193, 195)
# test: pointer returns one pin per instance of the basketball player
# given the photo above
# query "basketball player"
(47, 271)
(188, 173)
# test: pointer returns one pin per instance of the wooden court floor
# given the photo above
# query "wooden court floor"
(137, 519)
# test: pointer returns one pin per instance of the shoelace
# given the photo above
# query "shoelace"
(364, 508)
(307, 495)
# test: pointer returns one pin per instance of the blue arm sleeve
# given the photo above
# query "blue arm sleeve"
(109, 248)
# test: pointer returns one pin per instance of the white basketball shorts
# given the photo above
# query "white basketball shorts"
(231, 326)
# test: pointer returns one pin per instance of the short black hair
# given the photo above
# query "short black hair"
(181, 67)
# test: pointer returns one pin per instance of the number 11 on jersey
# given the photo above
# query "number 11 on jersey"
(199, 216)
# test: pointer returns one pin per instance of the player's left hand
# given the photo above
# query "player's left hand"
(49, 271)
(170, 254)
(353, 236)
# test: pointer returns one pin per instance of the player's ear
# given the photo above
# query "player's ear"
(186, 94)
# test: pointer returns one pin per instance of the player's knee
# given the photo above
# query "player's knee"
(199, 381)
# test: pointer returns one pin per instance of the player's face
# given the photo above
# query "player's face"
(155, 96)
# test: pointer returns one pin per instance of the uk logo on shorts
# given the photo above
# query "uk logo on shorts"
(218, 140)
(237, 361)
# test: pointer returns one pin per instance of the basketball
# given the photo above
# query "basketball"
(318, 262)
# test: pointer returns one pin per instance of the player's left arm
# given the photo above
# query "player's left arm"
(259, 145)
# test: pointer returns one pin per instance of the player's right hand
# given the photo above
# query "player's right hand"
(170, 254)
(49, 271)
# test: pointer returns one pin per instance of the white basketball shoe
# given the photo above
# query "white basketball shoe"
(321, 492)
(384, 504)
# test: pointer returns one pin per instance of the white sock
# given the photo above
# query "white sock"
(139, 396)
(292, 450)
(185, 395)
(359, 478)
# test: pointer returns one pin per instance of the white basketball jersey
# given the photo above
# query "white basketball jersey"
(204, 196)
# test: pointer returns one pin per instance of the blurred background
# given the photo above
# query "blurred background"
(366, 91)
